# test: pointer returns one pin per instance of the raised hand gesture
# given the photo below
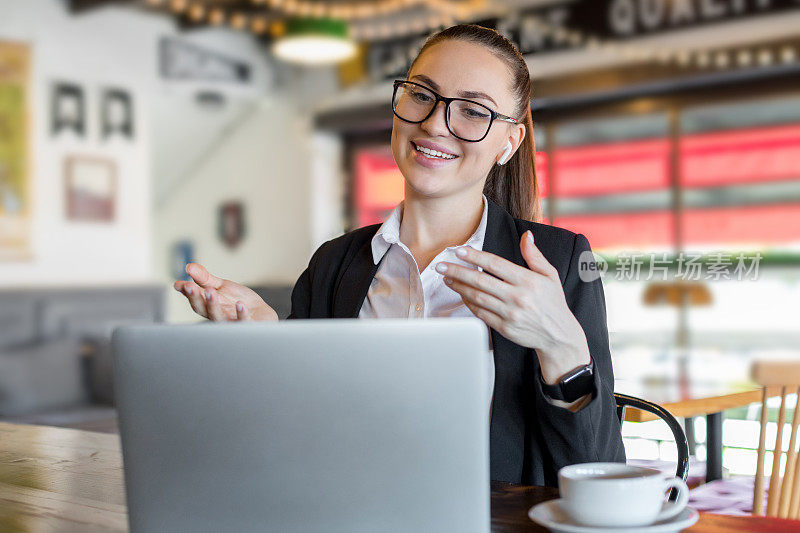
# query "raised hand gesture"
(220, 299)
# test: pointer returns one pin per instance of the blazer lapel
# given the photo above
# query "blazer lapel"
(501, 239)
(349, 293)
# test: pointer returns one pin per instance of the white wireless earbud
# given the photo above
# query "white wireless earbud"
(505, 155)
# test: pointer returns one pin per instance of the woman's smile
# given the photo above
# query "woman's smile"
(430, 158)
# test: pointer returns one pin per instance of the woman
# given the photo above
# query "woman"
(470, 193)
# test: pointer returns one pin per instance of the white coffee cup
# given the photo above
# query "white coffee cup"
(616, 494)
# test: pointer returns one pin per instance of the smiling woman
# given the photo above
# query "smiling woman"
(470, 212)
(485, 87)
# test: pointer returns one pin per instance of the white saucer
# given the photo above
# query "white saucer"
(550, 515)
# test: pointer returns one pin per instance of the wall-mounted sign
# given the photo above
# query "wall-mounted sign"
(182, 254)
(629, 18)
(180, 60)
(605, 19)
(231, 224)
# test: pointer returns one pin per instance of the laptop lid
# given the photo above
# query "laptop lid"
(305, 425)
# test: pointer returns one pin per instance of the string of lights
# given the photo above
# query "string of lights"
(380, 21)
(440, 13)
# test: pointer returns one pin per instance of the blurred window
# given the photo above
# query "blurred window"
(740, 169)
(611, 178)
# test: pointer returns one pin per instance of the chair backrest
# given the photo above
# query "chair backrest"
(783, 498)
(623, 401)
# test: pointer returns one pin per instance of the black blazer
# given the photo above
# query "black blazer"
(530, 439)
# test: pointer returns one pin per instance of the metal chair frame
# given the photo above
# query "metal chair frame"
(624, 400)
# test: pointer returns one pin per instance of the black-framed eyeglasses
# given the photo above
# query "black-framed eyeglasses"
(465, 119)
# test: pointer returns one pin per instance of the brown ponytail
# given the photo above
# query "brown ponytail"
(513, 186)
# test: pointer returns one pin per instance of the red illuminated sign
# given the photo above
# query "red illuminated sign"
(747, 225)
(727, 226)
(542, 176)
(612, 168)
(742, 156)
(635, 230)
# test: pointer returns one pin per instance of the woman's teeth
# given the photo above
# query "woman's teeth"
(433, 154)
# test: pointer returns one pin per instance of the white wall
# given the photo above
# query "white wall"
(327, 185)
(94, 51)
(184, 161)
(258, 149)
(263, 163)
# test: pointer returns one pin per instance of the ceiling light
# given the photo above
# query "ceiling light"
(721, 60)
(765, 57)
(238, 21)
(216, 17)
(197, 12)
(314, 42)
(259, 25)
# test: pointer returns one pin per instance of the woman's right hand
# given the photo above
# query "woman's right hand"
(220, 299)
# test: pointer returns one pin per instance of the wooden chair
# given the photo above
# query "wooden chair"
(783, 497)
(742, 495)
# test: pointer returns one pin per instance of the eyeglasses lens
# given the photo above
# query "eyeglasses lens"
(467, 120)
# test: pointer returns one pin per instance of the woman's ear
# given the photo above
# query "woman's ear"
(518, 135)
(513, 143)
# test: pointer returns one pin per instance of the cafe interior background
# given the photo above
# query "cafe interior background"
(136, 136)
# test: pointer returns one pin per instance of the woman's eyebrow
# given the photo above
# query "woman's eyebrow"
(465, 94)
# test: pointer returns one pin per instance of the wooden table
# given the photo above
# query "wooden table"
(510, 504)
(688, 399)
(67, 480)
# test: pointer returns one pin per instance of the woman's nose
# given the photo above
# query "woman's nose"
(436, 123)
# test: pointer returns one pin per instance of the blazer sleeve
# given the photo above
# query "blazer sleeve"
(301, 296)
(301, 293)
(591, 434)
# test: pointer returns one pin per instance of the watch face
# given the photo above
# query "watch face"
(574, 385)
(578, 384)
(576, 374)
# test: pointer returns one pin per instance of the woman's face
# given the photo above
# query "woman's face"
(456, 66)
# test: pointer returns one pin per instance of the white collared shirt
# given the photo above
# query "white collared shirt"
(399, 290)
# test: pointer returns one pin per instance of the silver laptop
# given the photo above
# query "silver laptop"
(305, 425)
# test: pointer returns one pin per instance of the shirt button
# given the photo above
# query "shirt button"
(418, 307)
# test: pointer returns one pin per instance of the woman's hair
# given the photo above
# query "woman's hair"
(513, 185)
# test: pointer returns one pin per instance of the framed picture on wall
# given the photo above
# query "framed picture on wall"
(16, 206)
(68, 109)
(90, 188)
(116, 114)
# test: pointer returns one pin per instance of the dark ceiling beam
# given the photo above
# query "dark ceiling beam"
(711, 84)
(82, 6)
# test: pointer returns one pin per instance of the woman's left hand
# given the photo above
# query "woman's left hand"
(526, 306)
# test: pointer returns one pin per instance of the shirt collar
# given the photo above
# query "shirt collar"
(389, 232)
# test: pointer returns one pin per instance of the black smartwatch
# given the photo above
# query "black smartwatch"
(574, 385)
